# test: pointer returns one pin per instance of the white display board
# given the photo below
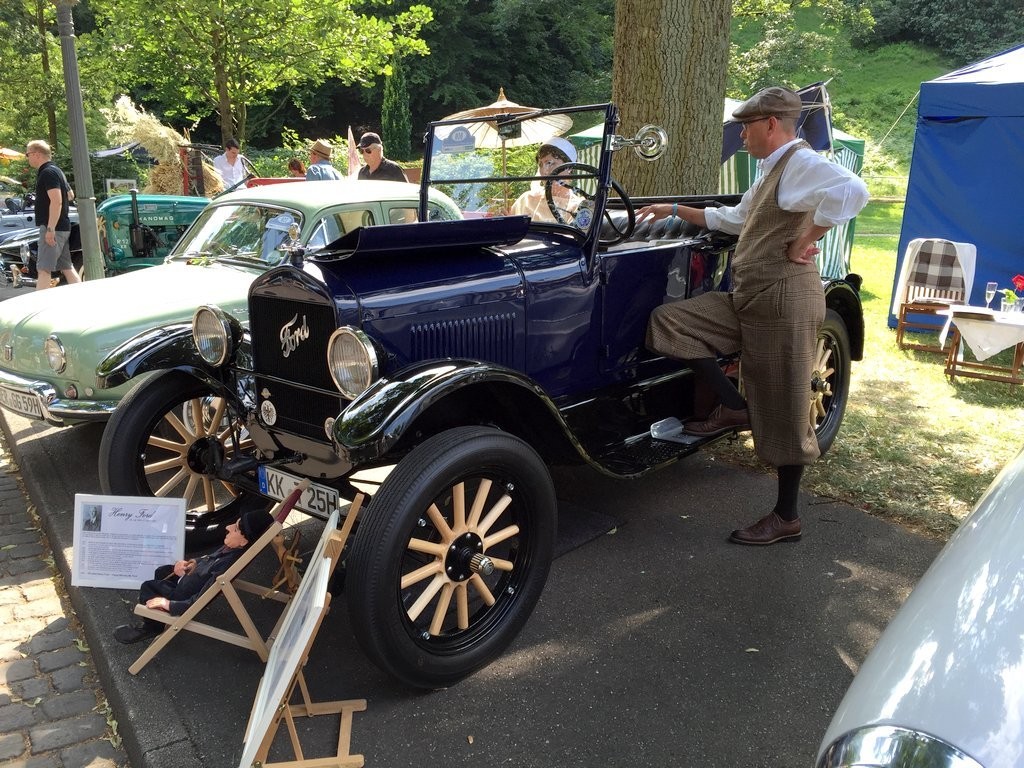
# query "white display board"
(297, 627)
(120, 540)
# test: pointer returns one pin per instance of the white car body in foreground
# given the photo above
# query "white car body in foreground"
(944, 686)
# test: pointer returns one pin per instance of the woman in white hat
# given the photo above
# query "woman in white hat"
(553, 153)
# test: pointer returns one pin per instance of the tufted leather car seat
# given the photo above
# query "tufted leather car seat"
(669, 228)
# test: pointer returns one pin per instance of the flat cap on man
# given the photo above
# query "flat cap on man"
(769, 102)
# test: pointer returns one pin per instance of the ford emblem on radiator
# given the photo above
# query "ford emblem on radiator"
(291, 335)
(268, 413)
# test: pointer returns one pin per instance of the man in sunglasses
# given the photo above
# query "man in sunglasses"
(776, 304)
(378, 167)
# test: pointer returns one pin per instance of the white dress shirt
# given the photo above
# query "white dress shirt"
(810, 182)
(232, 174)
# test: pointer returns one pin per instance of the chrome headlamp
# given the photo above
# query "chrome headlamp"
(887, 746)
(55, 354)
(215, 334)
(352, 361)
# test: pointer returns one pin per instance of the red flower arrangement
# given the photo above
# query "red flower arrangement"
(1010, 294)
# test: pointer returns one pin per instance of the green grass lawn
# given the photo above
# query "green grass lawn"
(913, 446)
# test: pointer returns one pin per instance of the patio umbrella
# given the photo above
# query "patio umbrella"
(534, 130)
(6, 154)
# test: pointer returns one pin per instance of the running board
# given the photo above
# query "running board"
(664, 444)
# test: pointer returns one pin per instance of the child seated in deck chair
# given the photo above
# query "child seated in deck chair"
(174, 588)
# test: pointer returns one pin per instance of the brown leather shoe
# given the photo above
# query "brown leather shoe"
(768, 530)
(720, 420)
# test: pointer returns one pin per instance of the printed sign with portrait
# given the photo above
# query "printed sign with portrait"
(120, 540)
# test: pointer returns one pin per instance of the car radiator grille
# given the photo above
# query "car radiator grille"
(297, 384)
(481, 338)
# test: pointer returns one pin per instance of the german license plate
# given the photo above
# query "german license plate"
(316, 500)
(19, 402)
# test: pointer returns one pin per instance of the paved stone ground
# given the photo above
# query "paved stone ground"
(53, 713)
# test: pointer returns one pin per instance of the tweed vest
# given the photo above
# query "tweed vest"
(760, 259)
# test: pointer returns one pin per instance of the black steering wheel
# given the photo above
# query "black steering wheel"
(572, 174)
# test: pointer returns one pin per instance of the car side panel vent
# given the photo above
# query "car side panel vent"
(480, 338)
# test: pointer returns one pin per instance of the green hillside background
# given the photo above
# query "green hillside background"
(874, 97)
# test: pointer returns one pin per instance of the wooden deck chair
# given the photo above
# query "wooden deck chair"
(287, 575)
(229, 585)
(935, 282)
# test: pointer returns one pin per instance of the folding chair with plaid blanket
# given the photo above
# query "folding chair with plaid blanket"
(935, 281)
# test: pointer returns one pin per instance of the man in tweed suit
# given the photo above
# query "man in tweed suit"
(776, 306)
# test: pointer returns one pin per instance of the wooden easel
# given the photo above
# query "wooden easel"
(333, 546)
(288, 712)
(287, 575)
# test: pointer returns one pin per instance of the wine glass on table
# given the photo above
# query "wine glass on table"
(990, 292)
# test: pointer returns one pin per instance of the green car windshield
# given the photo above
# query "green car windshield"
(243, 232)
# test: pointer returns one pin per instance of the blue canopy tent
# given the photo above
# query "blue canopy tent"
(967, 168)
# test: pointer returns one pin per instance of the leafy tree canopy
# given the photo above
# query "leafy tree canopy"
(965, 32)
(543, 54)
(32, 78)
(227, 55)
(770, 47)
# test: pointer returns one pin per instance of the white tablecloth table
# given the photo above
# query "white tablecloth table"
(987, 332)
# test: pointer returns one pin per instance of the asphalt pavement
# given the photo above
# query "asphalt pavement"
(655, 642)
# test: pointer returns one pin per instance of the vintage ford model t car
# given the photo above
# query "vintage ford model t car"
(468, 354)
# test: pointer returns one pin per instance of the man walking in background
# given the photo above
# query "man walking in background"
(378, 167)
(53, 196)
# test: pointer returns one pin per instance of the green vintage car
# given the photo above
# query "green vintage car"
(51, 341)
(135, 231)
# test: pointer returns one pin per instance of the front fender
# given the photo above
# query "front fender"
(168, 346)
(378, 418)
(843, 296)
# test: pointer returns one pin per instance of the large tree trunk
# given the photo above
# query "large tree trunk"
(225, 114)
(670, 70)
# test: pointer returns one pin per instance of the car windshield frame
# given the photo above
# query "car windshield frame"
(456, 163)
(257, 237)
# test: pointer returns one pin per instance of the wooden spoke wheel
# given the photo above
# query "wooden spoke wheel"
(830, 380)
(451, 556)
(168, 438)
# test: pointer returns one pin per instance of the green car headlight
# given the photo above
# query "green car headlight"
(352, 361)
(214, 335)
(55, 354)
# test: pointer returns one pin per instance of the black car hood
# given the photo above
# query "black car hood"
(427, 236)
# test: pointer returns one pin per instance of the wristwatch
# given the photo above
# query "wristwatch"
(49, 229)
